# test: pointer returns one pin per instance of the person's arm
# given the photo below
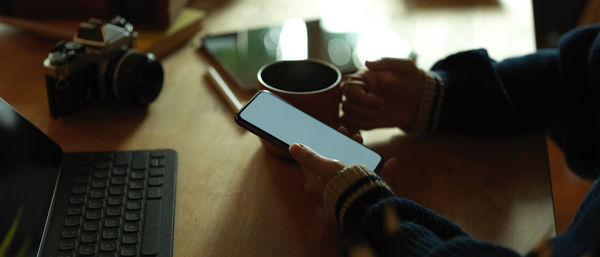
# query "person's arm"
(478, 95)
(373, 217)
(555, 90)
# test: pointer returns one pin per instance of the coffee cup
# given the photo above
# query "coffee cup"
(312, 86)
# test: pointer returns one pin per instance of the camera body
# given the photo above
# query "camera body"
(99, 65)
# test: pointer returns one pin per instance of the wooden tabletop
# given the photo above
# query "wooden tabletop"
(235, 199)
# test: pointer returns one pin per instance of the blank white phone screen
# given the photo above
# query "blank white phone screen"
(290, 125)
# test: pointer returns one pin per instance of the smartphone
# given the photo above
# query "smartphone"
(279, 122)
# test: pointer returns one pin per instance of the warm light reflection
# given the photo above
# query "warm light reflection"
(380, 43)
(293, 41)
(339, 51)
(344, 15)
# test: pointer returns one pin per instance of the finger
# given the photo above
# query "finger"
(389, 166)
(360, 112)
(356, 93)
(355, 76)
(352, 82)
(352, 122)
(394, 65)
(311, 161)
(355, 135)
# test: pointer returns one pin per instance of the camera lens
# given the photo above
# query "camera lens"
(138, 78)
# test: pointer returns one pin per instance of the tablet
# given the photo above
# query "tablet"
(239, 55)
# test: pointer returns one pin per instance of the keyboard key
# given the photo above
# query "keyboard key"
(119, 171)
(156, 172)
(110, 234)
(117, 190)
(137, 174)
(158, 154)
(154, 193)
(113, 211)
(128, 250)
(140, 161)
(136, 184)
(81, 180)
(134, 205)
(95, 204)
(151, 231)
(93, 215)
(91, 226)
(117, 181)
(106, 156)
(158, 162)
(67, 244)
(115, 200)
(97, 193)
(101, 173)
(107, 255)
(158, 181)
(122, 158)
(130, 238)
(76, 199)
(99, 183)
(79, 189)
(89, 237)
(74, 210)
(132, 215)
(70, 233)
(135, 194)
(108, 246)
(87, 250)
(103, 164)
(84, 169)
(131, 227)
(72, 221)
(112, 222)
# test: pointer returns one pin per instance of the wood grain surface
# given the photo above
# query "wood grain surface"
(234, 199)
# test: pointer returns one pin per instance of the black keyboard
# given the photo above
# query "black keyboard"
(115, 204)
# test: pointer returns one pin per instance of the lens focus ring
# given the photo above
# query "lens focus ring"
(138, 78)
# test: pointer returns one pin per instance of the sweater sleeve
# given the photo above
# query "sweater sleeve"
(552, 90)
(364, 206)
(484, 96)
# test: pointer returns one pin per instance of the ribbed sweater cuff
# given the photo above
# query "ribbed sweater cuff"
(430, 105)
(346, 188)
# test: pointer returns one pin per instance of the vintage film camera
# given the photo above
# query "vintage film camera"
(99, 65)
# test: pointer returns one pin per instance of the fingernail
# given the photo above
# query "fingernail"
(295, 145)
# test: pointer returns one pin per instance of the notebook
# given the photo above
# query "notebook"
(55, 203)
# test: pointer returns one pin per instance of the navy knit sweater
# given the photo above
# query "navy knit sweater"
(556, 90)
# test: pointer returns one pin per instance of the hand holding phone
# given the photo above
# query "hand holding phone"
(282, 124)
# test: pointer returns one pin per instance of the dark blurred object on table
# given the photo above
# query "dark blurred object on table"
(142, 13)
(553, 18)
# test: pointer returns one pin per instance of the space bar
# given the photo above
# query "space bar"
(151, 237)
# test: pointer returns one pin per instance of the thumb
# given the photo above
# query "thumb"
(307, 158)
(389, 166)
(313, 162)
